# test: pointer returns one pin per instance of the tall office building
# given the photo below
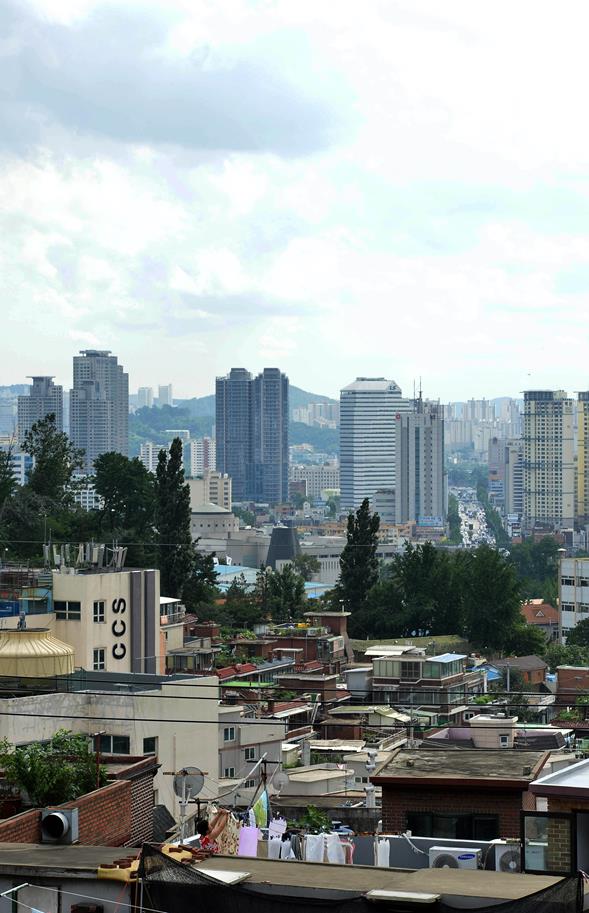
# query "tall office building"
(368, 413)
(496, 462)
(145, 397)
(270, 437)
(99, 405)
(45, 398)
(252, 434)
(582, 517)
(233, 406)
(514, 478)
(549, 459)
(164, 395)
(420, 489)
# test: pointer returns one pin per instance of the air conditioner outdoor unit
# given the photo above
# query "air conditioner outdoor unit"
(454, 857)
(507, 857)
(59, 825)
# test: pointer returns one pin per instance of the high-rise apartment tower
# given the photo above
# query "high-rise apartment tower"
(99, 405)
(549, 459)
(252, 433)
(45, 398)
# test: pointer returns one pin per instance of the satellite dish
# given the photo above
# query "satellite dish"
(188, 782)
(280, 780)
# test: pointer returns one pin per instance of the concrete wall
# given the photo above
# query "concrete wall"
(65, 893)
(183, 716)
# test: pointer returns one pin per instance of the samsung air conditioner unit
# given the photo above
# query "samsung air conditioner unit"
(454, 857)
(507, 857)
(59, 825)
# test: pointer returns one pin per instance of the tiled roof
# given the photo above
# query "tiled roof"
(537, 612)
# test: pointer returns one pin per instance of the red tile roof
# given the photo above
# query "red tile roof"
(232, 671)
(538, 612)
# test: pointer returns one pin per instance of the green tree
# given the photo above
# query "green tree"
(54, 773)
(333, 507)
(525, 640)
(200, 589)
(579, 635)
(569, 655)
(246, 516)
(128, 492)
(306, 566)
(382, 615)
(176, 553)
(454, 525)
(7, 480)
(493, 602)
(56, 461)
(241, 608)
(286, 594)
(358, 561)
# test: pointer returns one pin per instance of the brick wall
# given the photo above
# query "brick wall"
(571, 682)
(104, 816)
(118, 814)
(507, 804)
(23, 828)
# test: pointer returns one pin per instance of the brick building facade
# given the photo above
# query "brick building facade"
(460, 794)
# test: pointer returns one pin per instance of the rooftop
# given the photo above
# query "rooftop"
(486, 766)
(315, 773)
(457, 882)
(570, 781)
(525, 663)
(446, 658)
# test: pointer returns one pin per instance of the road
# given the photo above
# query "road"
(473, 523)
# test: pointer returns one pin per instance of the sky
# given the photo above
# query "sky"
(395, 188)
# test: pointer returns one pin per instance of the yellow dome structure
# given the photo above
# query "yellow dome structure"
(34, 653)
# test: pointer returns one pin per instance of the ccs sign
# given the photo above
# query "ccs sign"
(119, 628)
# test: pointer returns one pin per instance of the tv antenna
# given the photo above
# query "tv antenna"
(188, 782)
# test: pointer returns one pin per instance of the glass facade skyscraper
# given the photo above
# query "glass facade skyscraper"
(252, 434)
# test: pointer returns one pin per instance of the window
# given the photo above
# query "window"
(470, 826)
(249, 784)
(98, 659)
(229, 772)
(229, 734)
(503, 741)
(410, 670)
(150, 745)
(98, 612)
(250, 754)
(67, 611)
(112, 744)
(567, 581)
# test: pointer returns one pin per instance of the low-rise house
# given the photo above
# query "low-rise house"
(469, 794)
(543, 616)
(441, 684)
(317, 780)
(244, 739)
(531, 668)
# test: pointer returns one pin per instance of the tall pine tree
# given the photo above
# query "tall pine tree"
(358, 561)
(176, 553)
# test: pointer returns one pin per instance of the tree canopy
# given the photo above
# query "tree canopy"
(56, 460)
(358, 561)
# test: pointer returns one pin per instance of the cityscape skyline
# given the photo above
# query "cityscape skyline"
(359, 193)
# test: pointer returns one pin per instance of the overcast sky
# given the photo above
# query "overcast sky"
(395, 188)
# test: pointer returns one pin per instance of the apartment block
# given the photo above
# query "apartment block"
(45, 398)
(549, 459)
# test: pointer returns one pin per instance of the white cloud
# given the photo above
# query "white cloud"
(426, 235)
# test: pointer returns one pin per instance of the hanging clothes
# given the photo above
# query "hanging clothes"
(335, 850)
(274, 847)
(228, 839)
(314, 847)
(260, 809)
(248, 841)
(383, 853)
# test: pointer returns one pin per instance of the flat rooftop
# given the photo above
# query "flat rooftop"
(28, 859)
(461, 882)
(442, 764)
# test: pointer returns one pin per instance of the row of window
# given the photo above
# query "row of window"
(121, 744)
(71, 610)
(570, 581)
